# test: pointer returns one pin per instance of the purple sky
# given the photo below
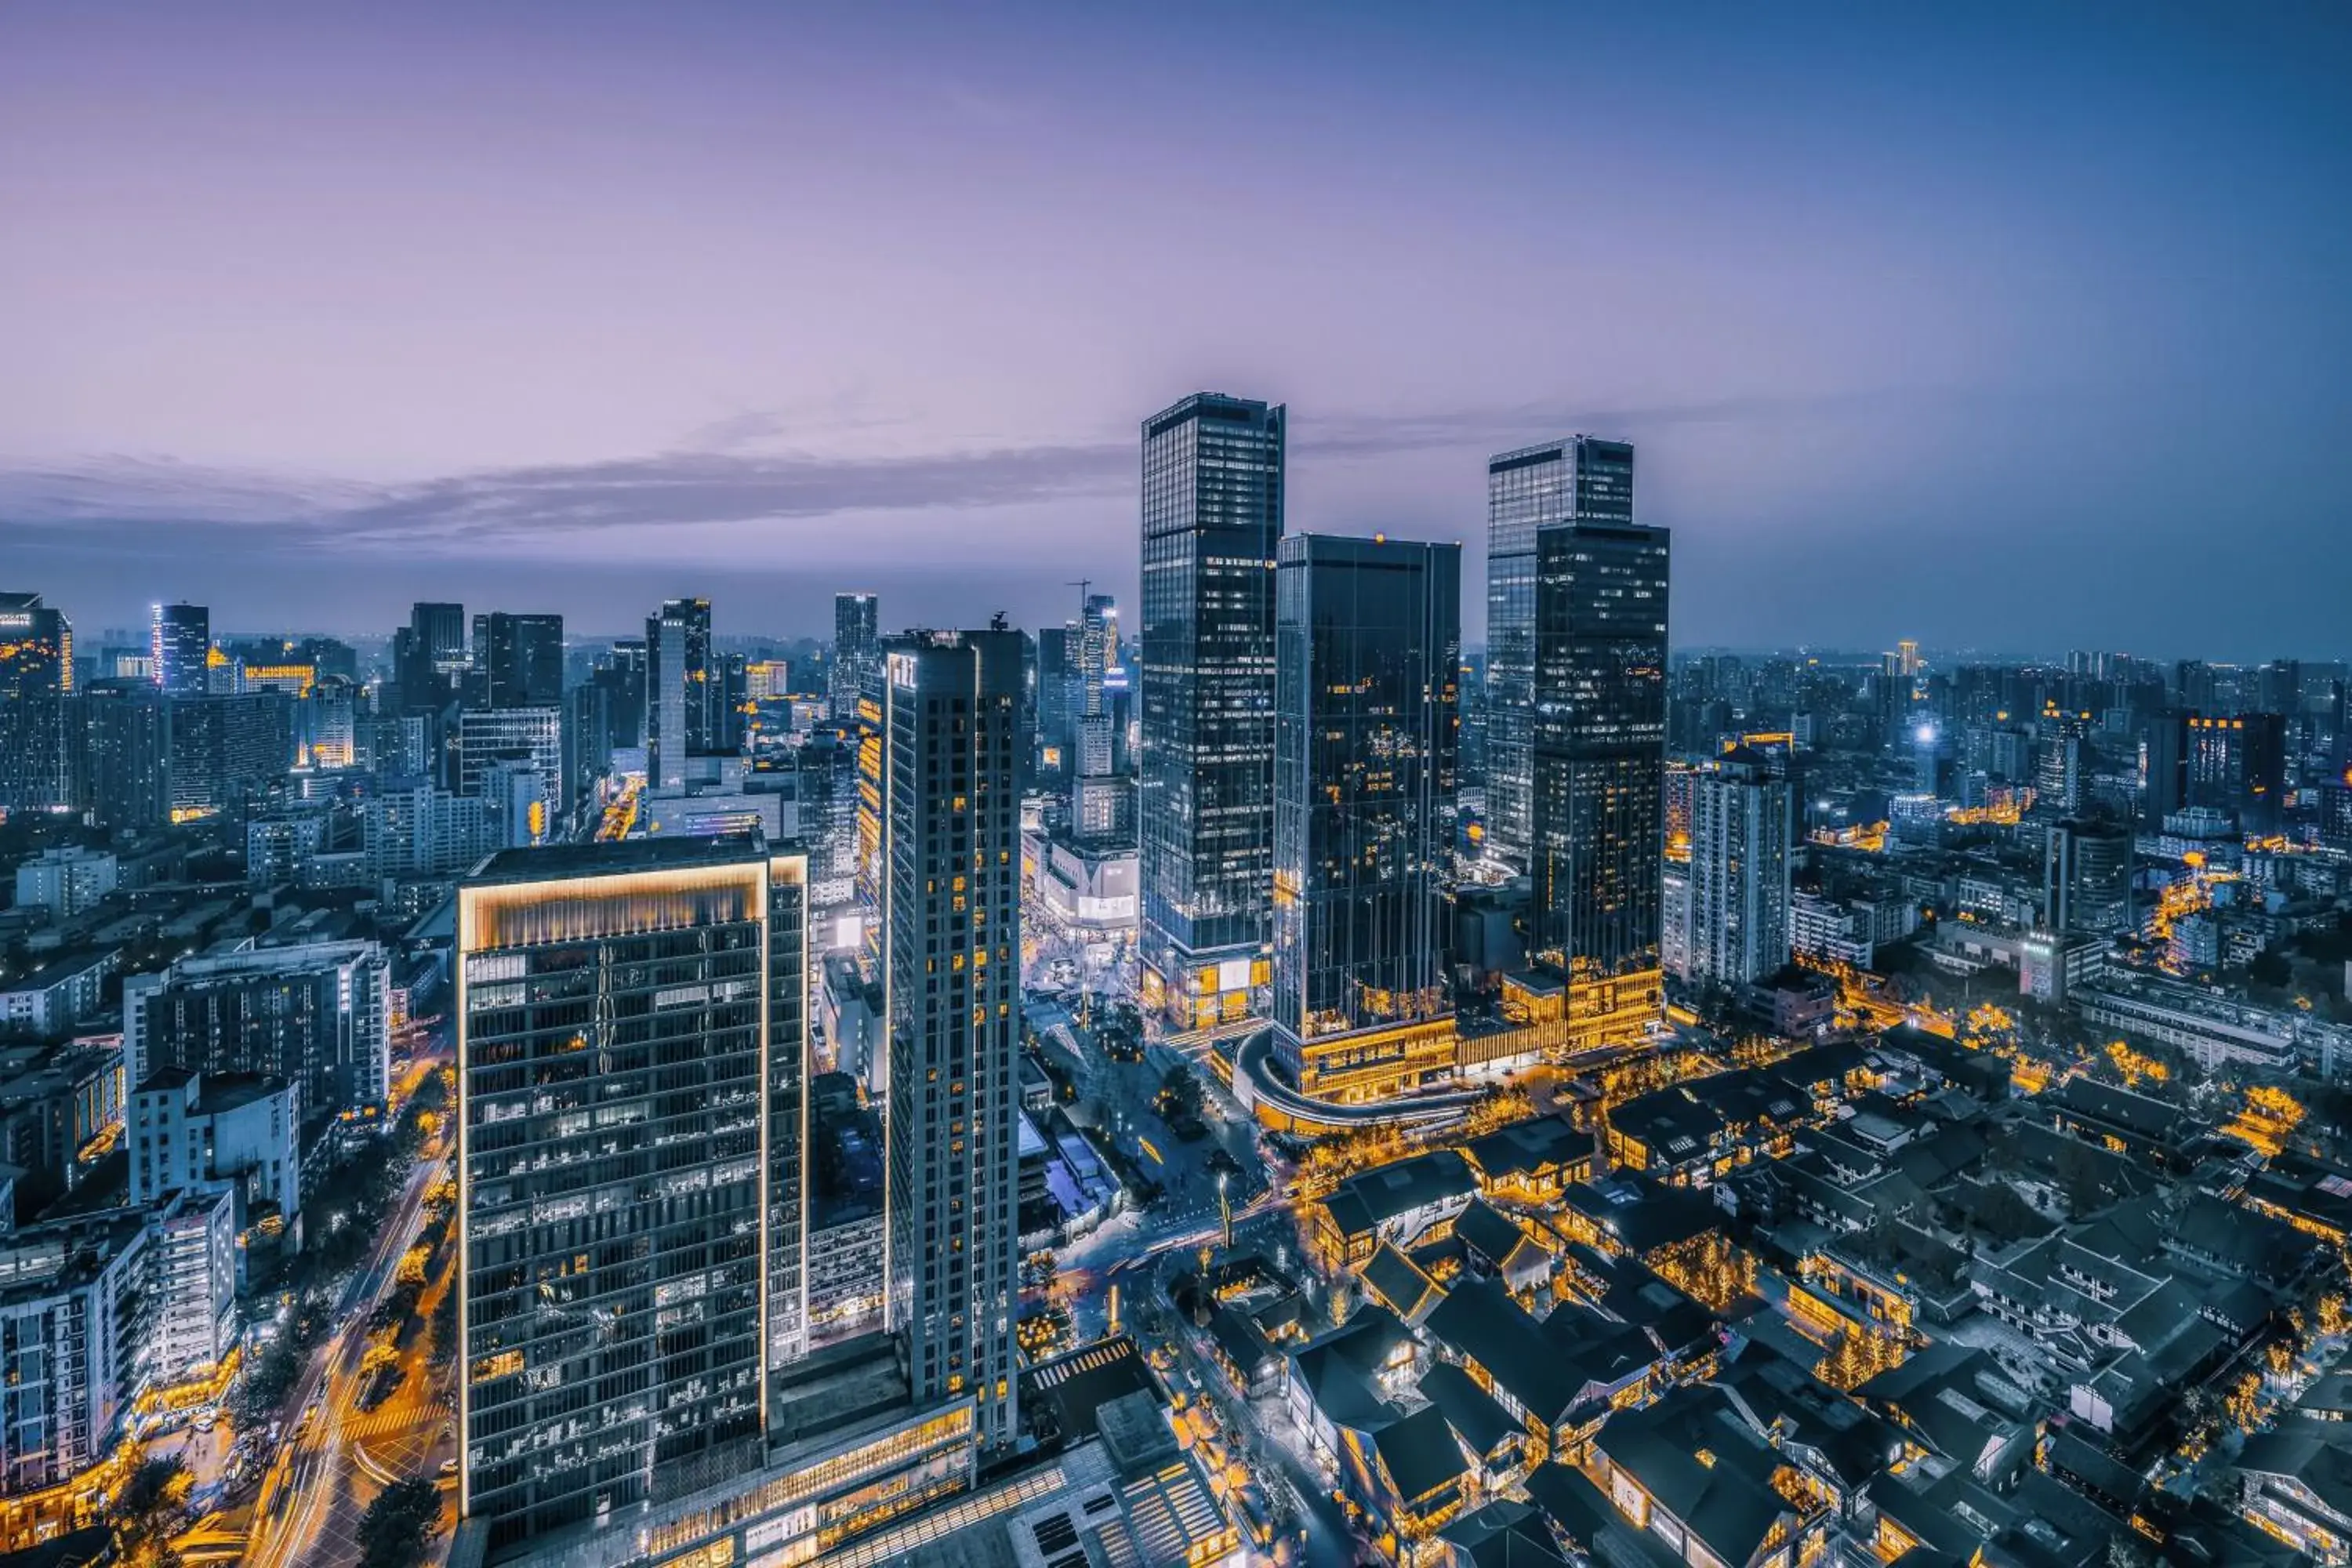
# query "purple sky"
(2024, 329)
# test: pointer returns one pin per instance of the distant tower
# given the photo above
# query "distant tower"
(1579, 479)
(855, 630)
(682, 697)
(1213, 488)
(181, 643)
(36, 683)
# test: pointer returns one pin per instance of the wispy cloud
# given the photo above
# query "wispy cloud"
(141, 504)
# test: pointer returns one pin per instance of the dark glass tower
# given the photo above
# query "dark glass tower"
(180, 646)
(1212, 479)
(37, 684)
(681, 696)
(520, 659)
(629, 1098)
(951, 743)
(1368, 643)
(1599, 772)
(857, 631)
(1579, 479)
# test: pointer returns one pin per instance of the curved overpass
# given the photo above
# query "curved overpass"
(1255, 1085)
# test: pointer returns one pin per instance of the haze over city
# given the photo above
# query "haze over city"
(1960, 325)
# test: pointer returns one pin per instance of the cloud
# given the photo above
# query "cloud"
(134, 505)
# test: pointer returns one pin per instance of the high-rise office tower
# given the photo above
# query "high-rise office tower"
(857, 631)
(681, 698)
(36, 683)
(123, 767)
(1735, 929)
(1580, 479)
(950, 929)
(1599, 765)
(225, 750)
(1056, 700)
(1368, 648)
(1213, 487)
(2239, 765)
(1102, 800)
(533, 736)
(180, 641)
(519, 659)
(623, 1071)
(2086, 877)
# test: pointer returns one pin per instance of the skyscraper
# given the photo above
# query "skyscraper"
(36, 682)
(621, 1074)
(2086, 877)
(951, 926)
(1212, 488)
(855, 632)
(123, 772)
(1579, 479)
(1102, 800)
(1599, 764)
(1737, 917)
(1368, 645)
(681, 700)
(519, 659)
(180, 643)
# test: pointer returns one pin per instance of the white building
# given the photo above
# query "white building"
(1738, 928)
(193, 1257)
(73, 1299)
(189, 1128)
(317, 1016)
(66, 882)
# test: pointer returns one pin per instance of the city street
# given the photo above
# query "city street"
(332, 1464)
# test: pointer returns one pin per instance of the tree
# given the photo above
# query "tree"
(398, 1526)
(148, 1511)
(1180, 1093)
(444, 1327)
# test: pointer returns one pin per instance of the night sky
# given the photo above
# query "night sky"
(2021, 328)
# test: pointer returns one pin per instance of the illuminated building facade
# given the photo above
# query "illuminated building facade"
(1212, 507)
(1597, 903)
(1369, 642)
(620, 1082)
(682, 698)
(123, 770)
(2086, 877)
(950, 929)
(1734, 909)
(316, 1015)
(519, 659)
(2238, 764)
(1579, 479)
(180, 642)
(36, 685)
(226, 749)
(856, 634)
(531, 735)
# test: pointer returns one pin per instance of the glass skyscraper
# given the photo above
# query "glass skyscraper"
(1581, 479)
(36, 683)
(950, 811)
(1212, 486)
(856, 627)
(1369, 644)
(1599, 772)
(519, 659)
(181, 643)
(681, 696)
(629, 1066)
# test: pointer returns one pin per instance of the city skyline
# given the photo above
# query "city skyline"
(1941, 324)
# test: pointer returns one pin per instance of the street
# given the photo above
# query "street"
(335, 1460)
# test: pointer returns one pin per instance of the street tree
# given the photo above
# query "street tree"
(398, 1525)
